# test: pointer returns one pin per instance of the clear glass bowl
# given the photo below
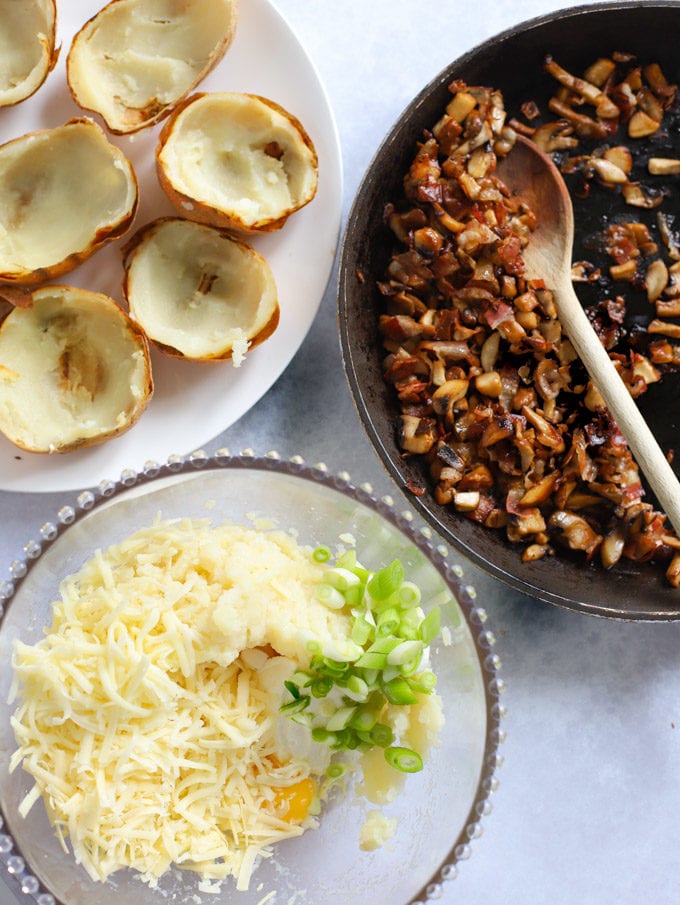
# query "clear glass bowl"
(440, 809)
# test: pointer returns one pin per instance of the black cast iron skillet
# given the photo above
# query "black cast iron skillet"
(512, 61)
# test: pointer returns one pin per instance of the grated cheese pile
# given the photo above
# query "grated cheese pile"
(147, 714)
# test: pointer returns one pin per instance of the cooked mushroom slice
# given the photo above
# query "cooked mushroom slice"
(74, 371)
(236, 160)
(27, 47)
(64, 192)
(199, 293)
(136, 59)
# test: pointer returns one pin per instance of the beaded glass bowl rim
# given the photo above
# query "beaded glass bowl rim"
(422, 536)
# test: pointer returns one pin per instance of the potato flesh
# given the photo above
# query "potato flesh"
(70, 372)
(219, 152)
(58, 189)
(25, 51)
(195, 290)
(141, 53)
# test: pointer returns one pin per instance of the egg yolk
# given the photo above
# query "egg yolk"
(292, 803)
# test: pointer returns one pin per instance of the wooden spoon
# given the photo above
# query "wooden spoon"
(533, 175)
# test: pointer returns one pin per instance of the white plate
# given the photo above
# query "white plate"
(192, 402)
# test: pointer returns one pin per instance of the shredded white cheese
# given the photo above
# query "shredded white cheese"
(147, 715)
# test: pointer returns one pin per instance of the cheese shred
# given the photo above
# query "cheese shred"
(147, 715)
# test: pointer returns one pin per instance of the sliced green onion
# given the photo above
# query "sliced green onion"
(362, 630)
(356, 688)
(296, 705)
(381, 735)
(335, 771)
(404, 652)
(372, 660)
(346, 739)
(330, 597)
(377, 665)
(411, 667)
(425, 682)
(342, 579)
(408, 595)
(389, 673)
(303, 717)
(430, 626)
(290, 686)
(364, 719)
(398, 691)
(328, 667)
(321, 554)
(370, 676)
(385, 582)
(343, 651)
(321, 686)
(388, 622)
(383, 645)
(353, 595)
(404, 759)
(409, 625)
(347, 560)
(340, 719)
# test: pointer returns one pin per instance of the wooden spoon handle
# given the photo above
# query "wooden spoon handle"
(622, 407)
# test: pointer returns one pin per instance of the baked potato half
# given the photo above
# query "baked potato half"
(238, 161)
(27, 47)
(136, 59)
(64, 192)
(74, 370)
(197, 292)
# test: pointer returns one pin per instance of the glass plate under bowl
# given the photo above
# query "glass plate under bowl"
(512, 62)
(439, 810)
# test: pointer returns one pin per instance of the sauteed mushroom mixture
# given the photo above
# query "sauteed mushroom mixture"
(491, 392)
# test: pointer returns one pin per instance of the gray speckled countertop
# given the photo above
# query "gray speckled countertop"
(588, 806)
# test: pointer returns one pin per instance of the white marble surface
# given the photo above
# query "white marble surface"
(588, 807)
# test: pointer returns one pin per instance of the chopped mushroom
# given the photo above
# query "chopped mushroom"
(492, 394)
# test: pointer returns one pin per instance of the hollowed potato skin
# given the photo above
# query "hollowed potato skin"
(136, 82)
(239, 292)
(41, 199)
(190, 204)
(67, 354)
(36, 38)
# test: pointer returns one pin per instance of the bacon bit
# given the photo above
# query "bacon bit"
(415, 488)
